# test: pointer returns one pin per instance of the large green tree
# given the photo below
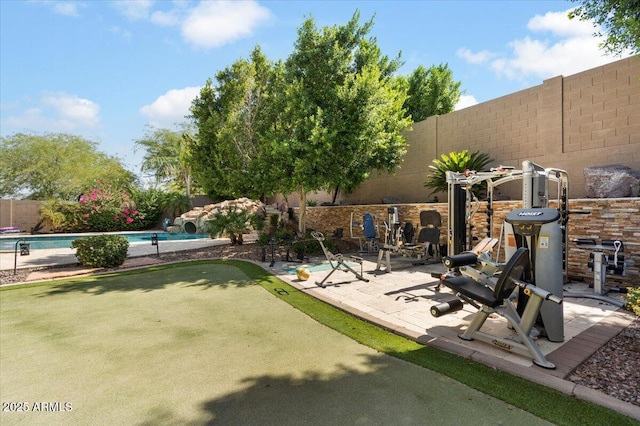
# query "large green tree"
(342, 113)
(55, 166)
(619, 21)
(325, 118)
(231, 116)
(168, 157)
(431, 91)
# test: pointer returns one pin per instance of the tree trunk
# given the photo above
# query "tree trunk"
(335, 194)
(302, 217)
(187, 186)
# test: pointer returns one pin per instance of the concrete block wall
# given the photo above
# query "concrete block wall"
(587, 119)
(23, 214)
(608, 218)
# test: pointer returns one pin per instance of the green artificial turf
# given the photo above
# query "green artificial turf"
(179, 327)
(544, 402)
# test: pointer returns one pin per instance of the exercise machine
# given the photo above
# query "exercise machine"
(400, 239)
(604, 259)
(540, 231)
(463, 205)
(473, 279)
(370, 232)
(337, 261)
(536, 233)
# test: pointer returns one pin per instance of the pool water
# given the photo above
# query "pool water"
(64, 241)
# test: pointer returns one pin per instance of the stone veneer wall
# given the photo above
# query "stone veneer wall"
(608, 218)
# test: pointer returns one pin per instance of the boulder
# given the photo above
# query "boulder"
(194, 221)
(173, 229)
(614, 181)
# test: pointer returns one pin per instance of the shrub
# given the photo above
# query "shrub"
(149, 205)
(633, 300)
(101, 251)
(457, 162)
(51, 215)
(233, 222)
(109, 209)
(286, 237)
(174, 203)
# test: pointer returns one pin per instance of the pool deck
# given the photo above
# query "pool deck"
(400, 301)
(64, 256)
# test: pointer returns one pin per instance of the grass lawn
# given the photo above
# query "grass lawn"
(200, 343)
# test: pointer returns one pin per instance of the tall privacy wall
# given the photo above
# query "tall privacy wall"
(608, 218)
(587, 119)
(23, 214)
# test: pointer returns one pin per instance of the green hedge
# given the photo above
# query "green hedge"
(101, 251)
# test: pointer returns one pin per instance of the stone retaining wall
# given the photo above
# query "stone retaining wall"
(607, 218)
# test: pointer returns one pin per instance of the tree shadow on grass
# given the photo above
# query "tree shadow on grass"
(382, 391)
(192, 274)
(369, 395)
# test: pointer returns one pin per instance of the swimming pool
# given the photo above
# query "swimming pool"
(54, 241)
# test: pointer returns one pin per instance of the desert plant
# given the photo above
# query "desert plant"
(457, 162)
(175, 203)
(233, 222)
(51, 216)
(633, 300)
(101, 251)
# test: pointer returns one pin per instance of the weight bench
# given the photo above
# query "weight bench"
(496, 300)
(337, 261)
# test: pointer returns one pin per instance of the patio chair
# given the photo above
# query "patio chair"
(337, 261)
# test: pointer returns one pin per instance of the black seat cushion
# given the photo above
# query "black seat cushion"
(470, 288)
(429, 235)
(430, 218)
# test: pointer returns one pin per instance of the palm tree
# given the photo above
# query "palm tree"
(456, 162)
(168, 157)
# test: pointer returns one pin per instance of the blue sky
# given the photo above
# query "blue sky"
(106, 69)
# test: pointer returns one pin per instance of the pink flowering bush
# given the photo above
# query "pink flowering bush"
(108, 209)
(104, 209)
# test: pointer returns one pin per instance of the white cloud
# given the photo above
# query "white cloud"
(215, 23)
(134, 9)
(66, 8)
(208, 24)
(171, 108)
(543, 59)
(75, 109)
(126, 34)
(166, 19)
(57, 112)
(474, 58)
(465, 102)
(557, 45)
(560, 25)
